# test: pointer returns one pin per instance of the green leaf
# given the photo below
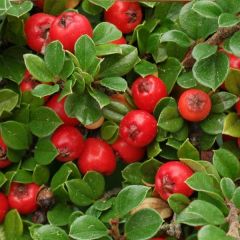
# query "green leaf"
(87, 227)
(222, 101)
(3, 179)
(228, 187)
(200, 213)
(119, 64)
(178, 202)
(105, 32)
(100, 97)
(231, 6)
(232, 82)
(228, 20)
(15, 135)
(45, 152)
(108, 49)
(67, 69)
(212, 71)
(43, 90)
(132, 173)
(129, 198)
(23, 176)
(234, 44)
(49, 232)
(57, 217)
(83, 107)
(187, 150)
(203, 182)
(213, 124)
(38, 68)
(144, 224)
(114, 83)
(186, 80)
(41, 175)
(13, 225)
(169, 72)
(108, 130)
(231, 125)
(236, 197)
(54, 57)
(79, 192)
(19, 9)
(149, 169)
(226, 163)
(153, 149)
(8, 100)
(104, 4)
(54, 7)
(203, 50)
(43, 121)
(96, 182)
(86, 54)
(145, 68)
(178, 37)
(207, 9)
(210, 232)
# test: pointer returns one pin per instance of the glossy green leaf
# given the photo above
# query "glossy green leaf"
(114, 83)
(187, 150)
(234, 46)
(43, 90)
(19, 9)
(207, 9)
(228, 187)
(231, 125)
(203, 50)
(8, 100)
(228, 20)
(108, 49)
(177, 202)
(145, 68)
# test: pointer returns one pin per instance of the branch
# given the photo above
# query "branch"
(215, 39)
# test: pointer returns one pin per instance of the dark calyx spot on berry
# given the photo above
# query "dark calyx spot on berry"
(65, 21)
(45, 198)
(133, 131)
(195, 102)
(39, 217)
(3, 154)
(20, 191)
(132, 16)
(44, 31)
(144, 86)
(63, 152)
(167, 184)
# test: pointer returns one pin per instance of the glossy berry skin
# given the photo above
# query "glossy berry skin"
(194, 105)
(3, 206)
(27, 84)
(58, 107)
(237, 107)
(138, 128)
(69, 142)
(171, 177)
(124, 15)
(121, 40)
(234, 61)
(23, 197)
(4, 162)
(36, 30)
(147, 91)
(127, 152)
(97, 156)
(68, 27)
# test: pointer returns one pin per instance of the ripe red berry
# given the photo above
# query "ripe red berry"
(127, 152)
(36, 30)
(194, 105)
(4, 162)
(28, 84)
(58, 107)
(97, 156)
(147, 91)
(237, 107)
(121, 40)
(68, 27)
(171, 177)
(124, 15)
(3, 206)
(69, 142)
(23, 197)
(138, 128)
(234, 61)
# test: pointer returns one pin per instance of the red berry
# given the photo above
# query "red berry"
(23, 197)
(69, 143)
(68, 27)
(138, 128)
(234, 61)
(28, 84)
(194, 105)
(158, 238)
(147, 91)
(39, 3)
(97, 156)
(121, 40)
(237, 107)
(36, 30)
(58, 107)
(3, 206)
(171, 177)
(4, 162)
(127, 152)
(124, 15)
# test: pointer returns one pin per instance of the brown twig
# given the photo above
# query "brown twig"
(114, 231)
(215, 39)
